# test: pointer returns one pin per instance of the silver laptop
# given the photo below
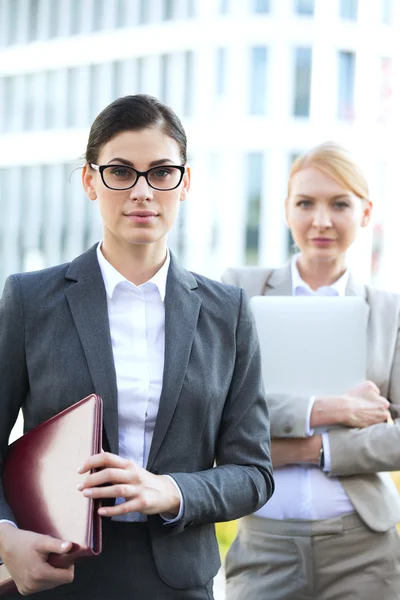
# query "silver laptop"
(311, 345)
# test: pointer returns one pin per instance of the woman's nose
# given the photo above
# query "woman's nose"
(141, 190)
(322, 218)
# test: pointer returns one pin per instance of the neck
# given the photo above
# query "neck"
(318, 273)
(136, 262)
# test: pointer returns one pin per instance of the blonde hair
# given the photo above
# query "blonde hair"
(336, 162)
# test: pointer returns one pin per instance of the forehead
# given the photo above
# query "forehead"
(313, 182)
(145, 145)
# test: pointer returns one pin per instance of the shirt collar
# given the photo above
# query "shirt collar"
(112, 277)
(338, 288)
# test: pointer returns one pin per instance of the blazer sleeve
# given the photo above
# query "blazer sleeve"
(241, 482)
(288, 414)
(371, 449)
(13, 372)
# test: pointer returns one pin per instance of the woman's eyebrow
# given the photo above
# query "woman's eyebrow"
(153, 163)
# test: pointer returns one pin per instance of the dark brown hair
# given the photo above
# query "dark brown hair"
(133, 113)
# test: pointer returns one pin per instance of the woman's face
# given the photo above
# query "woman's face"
(140, 215)
(323, 216)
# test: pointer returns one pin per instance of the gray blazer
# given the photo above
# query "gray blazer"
(359, 457)
(55, 348)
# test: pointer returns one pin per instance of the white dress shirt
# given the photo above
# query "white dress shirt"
(137, 326)
(303, 491)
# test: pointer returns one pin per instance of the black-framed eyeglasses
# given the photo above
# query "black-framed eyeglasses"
(120, 177)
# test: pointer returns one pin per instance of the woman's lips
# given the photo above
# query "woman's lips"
(146, 216)
(319, 241)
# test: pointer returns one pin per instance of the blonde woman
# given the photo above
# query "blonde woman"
(329, 532)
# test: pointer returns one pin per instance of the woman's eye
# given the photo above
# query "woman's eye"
(304, 203)
(121, 172)
(341, 205)
(160, 173)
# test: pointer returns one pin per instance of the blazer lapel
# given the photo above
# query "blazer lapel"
(88, 304)
(182, 307)
(279, 283)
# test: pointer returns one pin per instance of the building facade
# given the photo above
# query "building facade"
(255, 82)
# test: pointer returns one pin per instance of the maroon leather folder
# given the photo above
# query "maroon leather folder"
(40, 479)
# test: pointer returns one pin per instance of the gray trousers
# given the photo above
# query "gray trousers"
(124, 571)
(333, 559)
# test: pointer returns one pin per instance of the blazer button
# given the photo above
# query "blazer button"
(288, 429)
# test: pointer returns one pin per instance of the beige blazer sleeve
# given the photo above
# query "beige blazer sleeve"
(288, 414)
(375, 448)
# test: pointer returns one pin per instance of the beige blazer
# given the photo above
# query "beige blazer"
(361, 458)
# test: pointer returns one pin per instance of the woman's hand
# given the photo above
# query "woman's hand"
(361, 406)
(26, 555)
(120, 478)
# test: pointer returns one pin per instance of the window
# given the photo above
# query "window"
(255, 186)
(165, 71)
(50, 100)
(191, 8)
(258, 80)
(347, 62)
(188, 84)
(385, 109)
(348, 9)
(305, 7)
(221, 71)
(387, 12)
(168, 10)
(33, 23)
(223, 7)
(144, 9)
(98, 15)
(302, 86)
(261, 6)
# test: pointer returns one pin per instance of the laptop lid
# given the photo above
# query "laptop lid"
(311, 345)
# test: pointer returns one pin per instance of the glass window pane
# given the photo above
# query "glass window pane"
(188, 84)
(387, 12)
(302, 87)
(262, 6)
(144, 9)
(98, 15)
(33, 24)
(76, 17)
(253, 212)
(221, 71)
(258, 80)
(191, 8)
(305, 7)
(168, 10)
(121, 13)
(50, 113)
(13, 12)
(54, 18)
(223, 7)
(348, 9)
(347, 63)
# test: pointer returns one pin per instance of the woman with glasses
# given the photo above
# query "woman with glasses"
(329, 532)
(175, 358)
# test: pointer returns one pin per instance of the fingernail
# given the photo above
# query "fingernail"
(80, 470)
(79, 487)
(64, 545)
(102, 511)
(87, 493)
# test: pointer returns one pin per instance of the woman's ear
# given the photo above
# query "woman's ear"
(88, 182)
(367, 212)
(186, 184)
